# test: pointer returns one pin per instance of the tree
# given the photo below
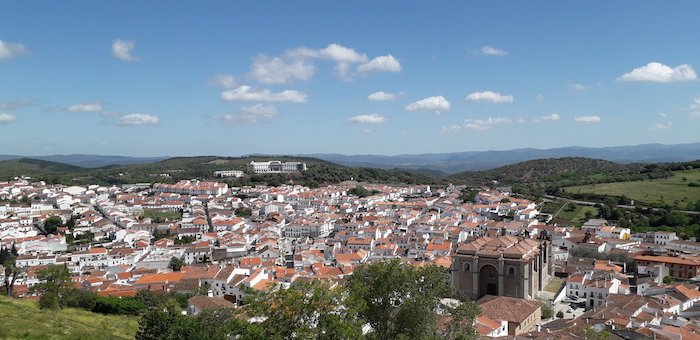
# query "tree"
(399, 300)
(244, 212)
(547, 312)
(54, 285)
(306, 310)
(668, 280)
(175, 264)
(8, 261)
(52, 223)
(560, 314)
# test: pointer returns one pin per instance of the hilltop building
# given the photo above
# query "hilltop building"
(276, 167)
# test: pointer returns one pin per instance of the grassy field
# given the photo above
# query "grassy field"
(671, 191)
(554, 285)
(22, 319)
(162, 215)
(576, 214)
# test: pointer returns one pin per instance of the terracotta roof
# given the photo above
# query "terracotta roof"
(508, 308)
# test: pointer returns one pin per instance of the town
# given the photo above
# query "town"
(531, 276)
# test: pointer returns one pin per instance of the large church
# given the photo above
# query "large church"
(503, 265)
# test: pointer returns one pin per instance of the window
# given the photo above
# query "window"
(511, 271)
(466, 267)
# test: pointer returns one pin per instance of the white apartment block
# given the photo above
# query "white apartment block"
(228, 173)
(276, 167)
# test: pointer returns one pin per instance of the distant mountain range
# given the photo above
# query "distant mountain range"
(450, 163)
(440, 164)
(89, 161)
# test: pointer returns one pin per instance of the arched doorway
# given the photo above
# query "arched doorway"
(488, 280)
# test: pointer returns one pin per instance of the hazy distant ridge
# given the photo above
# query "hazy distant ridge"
(482, 160)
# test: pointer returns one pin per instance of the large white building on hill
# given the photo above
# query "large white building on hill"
(276, 167)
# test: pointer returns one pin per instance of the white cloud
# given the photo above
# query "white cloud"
(122, 49)
(279, 71)
(588, 119)
(85, 107)
(663, 114)
(138, 119)
(247, 93)
(11, 50)
(660, 73)
(385, 63)
(381, 95)
(224, 80)
(343, 56)
(579, 87)
(368, 119)
(250, 114)
(334, 52)
(548, 118)
(15, 104)
(431, 104)
(6, 118)
(492, 51)
(695, 108)
(661, 126)
(489, 96)
(477, 124)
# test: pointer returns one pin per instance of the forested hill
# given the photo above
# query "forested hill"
(173, 169)
(563, 170)
(554, 171)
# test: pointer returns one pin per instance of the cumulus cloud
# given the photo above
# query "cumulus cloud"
(661, 126)
(489, 96)
(381, 96)
(122, 49)
(579, 87)
(386, 63)
(6, 118)
(492, 51)
(247, 93)
(660, 73)
(477, 124)
(226, 81)
(588, 119)
(85, 107)
(343, 56)
(11, 50)
(663, 114)
(279, 71)
(367, 119)
(334, 52)
(431, 104)
(250, 114)
(138, 119)
(548, 118)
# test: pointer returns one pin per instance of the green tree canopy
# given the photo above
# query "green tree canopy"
(54, 286)
(399, 300)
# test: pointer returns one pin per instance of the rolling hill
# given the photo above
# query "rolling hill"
(173, 169)
(22, 319)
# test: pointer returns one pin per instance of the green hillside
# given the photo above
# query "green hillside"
(170, 170)
(679, 190)
(34, 167)
(22, 319)
(545, 170)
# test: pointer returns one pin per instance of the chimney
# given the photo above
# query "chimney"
(539, 328)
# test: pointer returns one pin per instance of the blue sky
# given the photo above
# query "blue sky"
(225, 78)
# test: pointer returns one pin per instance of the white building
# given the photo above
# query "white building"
(276, 167)
(228, 173)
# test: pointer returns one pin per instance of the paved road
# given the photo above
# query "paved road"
(631, 207)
